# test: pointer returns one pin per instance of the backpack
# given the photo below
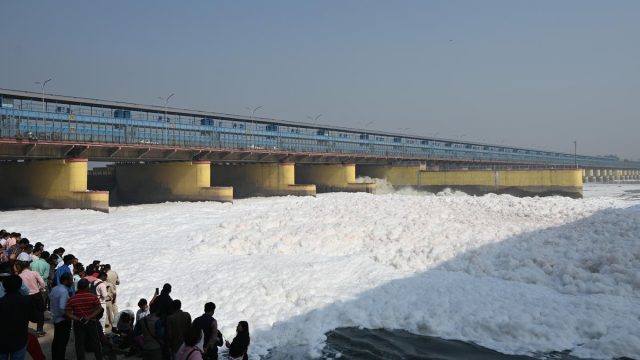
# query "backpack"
(93, 288)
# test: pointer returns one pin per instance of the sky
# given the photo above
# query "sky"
(524, 73)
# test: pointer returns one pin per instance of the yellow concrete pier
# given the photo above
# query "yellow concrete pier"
(168, 181)
(396, 175)
(331, 178)
(49, 184)
(516, 182)
(260, 179)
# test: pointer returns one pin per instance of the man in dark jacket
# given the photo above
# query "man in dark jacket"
(209, 327)
(164, 302)
(16, 311)
(176, 327)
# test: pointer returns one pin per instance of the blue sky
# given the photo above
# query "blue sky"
(526, 73)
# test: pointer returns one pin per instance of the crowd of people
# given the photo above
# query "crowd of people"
(37, 284)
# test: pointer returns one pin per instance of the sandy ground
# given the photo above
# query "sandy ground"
(45, 343)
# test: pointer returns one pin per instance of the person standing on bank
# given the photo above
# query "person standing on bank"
(15, 311)
(102, 290)
(114, 280)
(37, 287)
(208, 325)
(176, 326)
(240, 345)
(84, 309)
(61, 324)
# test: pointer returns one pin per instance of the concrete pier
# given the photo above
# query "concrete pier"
(515, 182)
(396, 175)
(260, 179)
(49, 184)
(331, 178)
(168, 181)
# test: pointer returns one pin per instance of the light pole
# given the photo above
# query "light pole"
(166, 119)
(253, 112)
(575, 153)
(314, 119)
(44, 108)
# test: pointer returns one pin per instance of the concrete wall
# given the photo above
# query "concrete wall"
(331, 178)
(516, 182)
(49, 184)
(260, 179)
(396, 175)
(168, 181)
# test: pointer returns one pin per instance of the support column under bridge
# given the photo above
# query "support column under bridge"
(168, 181)
(396, 175)
(260, 179)
(49, 184)
(331, 178)
(534, 182)
(565, 182)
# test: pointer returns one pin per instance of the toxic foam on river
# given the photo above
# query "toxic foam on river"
(519, 275)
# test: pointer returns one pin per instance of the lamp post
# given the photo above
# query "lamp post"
(575, 153)
(253, 112)
(44, 107)
(314, 119)
(166, 119)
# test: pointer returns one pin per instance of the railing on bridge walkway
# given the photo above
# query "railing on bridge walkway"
(104, 125)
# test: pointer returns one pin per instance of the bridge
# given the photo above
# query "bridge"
(245, 152)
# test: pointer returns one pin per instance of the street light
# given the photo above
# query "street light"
(253, 112)
(166, 118)
(44, 108)
(575, 153)
(314, 119)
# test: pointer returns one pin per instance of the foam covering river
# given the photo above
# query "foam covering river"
(524, 276)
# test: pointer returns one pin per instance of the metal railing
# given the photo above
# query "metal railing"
(88, 127)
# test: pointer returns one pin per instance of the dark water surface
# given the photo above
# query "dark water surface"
(365, 344)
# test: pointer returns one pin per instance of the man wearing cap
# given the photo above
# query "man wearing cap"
(84, 309)
(24, 257)
(114, 280)
(102, 290)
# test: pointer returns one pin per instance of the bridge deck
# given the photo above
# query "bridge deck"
(103, 130)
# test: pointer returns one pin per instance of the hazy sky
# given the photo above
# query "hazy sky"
(524, 73)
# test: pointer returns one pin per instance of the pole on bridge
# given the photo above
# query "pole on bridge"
(44, 107)
(575, 153)
(166, 119)
(253, 112)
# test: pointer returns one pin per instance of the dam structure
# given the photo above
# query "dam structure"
(157, 154)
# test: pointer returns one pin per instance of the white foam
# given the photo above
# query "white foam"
(519, 275)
